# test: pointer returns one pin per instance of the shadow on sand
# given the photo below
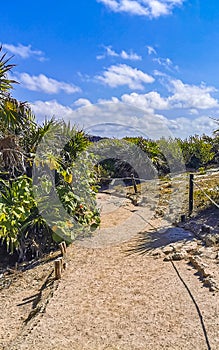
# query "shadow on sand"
(149, 241)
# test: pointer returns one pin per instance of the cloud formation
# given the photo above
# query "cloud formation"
(151, 50)
(191, 96)
(108, 117)
(150, 102)
(166, 63)
(24, 51)
(42, 83)
(191, 104)
(149, 8)
(122, 74)
(182, 96)
(49, 109)
(109, 52)
(183, 127)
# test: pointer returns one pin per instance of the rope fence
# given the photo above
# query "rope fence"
(212, 201)
(133, 179)
(113, 179)
(192, 182)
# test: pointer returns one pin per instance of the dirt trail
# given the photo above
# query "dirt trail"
(108, 300)
(112, 298)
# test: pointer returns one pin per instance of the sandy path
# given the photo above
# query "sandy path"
(108, 300)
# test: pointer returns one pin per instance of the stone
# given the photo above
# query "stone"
(210, 240)
(157, 253)
(167, 250)
(211, 284)
(206, 272)
(209, 253)
(168, 258)
(177, 247)
(191, 247)
(197, 263)
(176, 256)
(179, 255)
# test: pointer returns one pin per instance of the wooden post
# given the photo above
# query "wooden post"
(191, 194)
(183, 218)
(134, 183)
(58, 268)
(62, 247)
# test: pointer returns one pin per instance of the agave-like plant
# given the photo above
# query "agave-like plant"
(5, 83)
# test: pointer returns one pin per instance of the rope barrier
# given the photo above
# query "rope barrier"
(195, 304)
(113, 179)
(212, 201)
(207, 177)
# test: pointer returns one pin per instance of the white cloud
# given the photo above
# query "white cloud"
(149, 8)
(183, 127)
(138, 112)
(113, 118)
(82, 102)
(42, 83)
(166, 63)
(109, 52)
(193, 111)
(24, 51)
(84, 77)
(122, 74)
(158, 8)
(110, 118)
(151, 50)
(129, 6)
(148, 102)
(191, 96)
(132, 56)
(184, 96)
(135, 112)
(50, 109)
(160, 74)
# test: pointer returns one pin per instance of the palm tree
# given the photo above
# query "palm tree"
(5, 83)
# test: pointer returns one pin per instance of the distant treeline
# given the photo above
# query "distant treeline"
(165, 155)
(194, 152)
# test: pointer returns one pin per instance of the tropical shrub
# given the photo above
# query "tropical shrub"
(23, 215)
(153, 151)
(21, 226)
(121, 159)
(197, 151)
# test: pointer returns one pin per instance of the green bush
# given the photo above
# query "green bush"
(16, 207)
(22, 225)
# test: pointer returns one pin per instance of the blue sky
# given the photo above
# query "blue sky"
(141, 64)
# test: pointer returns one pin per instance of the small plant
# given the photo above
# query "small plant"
(202, 170)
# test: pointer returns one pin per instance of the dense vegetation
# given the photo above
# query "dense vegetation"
(165, 155)
(23, 226)
(194, 152)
